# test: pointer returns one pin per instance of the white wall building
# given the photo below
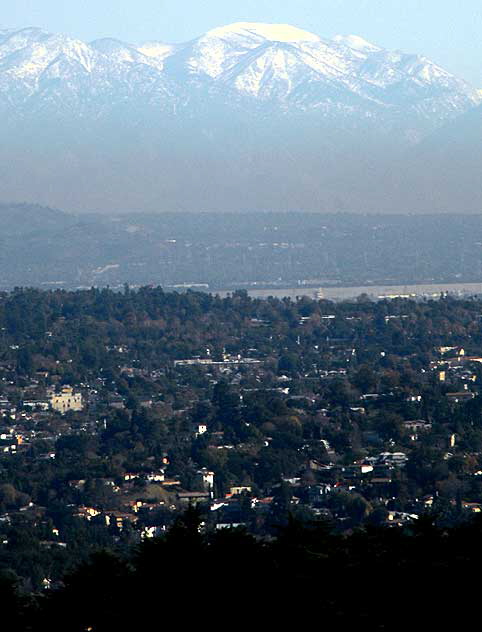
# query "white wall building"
(66, 400)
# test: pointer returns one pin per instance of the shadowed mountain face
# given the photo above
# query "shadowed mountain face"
(246, 117)
(443, 172)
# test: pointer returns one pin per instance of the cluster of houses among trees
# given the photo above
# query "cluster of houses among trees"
(121, 410)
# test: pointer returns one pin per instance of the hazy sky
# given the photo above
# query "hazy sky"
(448, 32)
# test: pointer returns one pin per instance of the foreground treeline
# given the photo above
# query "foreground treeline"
(376, 579)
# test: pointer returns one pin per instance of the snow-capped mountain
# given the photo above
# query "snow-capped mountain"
(40, 72)
(279, 66)
(246, 116)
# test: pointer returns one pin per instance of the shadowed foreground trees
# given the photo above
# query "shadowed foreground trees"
(377, 579)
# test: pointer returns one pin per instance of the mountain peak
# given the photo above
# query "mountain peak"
(356, 43)
(272, 32)
(158, 50)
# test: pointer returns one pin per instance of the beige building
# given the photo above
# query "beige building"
(66, 400)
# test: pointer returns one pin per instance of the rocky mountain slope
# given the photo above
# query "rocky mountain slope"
(270, 66)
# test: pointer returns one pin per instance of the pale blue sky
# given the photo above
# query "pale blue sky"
(446, 31)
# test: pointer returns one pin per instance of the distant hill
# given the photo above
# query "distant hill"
(43, 247)
(28, 219)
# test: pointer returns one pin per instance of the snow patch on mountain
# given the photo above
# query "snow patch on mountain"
(219, 50)
(271, 32)
(356, 43)
(157, 49)
(120, 53)
(277, 69)
(28, 53)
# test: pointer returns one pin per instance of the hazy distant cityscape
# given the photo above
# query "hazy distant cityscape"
(282, 253)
